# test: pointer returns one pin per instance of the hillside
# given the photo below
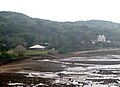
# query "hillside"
(17, 28)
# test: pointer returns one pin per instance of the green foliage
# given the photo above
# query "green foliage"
(20, 54)
(17, 28)
(28, 52)
(5, 55)
(63, 51)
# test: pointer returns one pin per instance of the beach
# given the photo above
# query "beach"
(62, 69)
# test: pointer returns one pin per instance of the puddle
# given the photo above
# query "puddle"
(90, 75)
(40, 74)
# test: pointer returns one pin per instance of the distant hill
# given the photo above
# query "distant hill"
(17, 28)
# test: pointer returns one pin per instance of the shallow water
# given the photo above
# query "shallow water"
(92, 75)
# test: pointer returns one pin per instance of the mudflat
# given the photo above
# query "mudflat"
(9, 72)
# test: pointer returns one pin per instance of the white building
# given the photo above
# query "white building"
(37, 47)
(101, 38)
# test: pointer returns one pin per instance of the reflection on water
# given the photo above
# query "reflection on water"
(103, 72)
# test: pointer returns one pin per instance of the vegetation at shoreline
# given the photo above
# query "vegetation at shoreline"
(7, 56)
(17, 28)
(28, 52)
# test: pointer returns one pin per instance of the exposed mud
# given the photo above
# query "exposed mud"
(87, 69)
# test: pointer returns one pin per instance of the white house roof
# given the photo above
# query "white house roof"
(37, 47)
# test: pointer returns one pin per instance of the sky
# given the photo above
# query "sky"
(65, 10)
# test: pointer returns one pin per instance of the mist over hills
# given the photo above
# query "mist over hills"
(17, 28)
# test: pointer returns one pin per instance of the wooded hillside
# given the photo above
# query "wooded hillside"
(17, 28)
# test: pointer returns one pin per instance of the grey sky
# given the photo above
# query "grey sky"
(65, 10)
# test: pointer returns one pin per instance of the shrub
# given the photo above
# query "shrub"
(63, 51)
(7, 56)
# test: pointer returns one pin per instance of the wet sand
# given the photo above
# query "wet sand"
(8, 71)
(115, 51)
(31, 64)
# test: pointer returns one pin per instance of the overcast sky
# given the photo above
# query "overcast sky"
(65, 10)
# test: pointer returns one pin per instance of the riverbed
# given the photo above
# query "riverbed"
(82, 71)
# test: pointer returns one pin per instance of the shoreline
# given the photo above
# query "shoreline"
(31, 62)
(91, 53)
(16, 72)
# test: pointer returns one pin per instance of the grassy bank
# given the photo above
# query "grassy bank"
(28, 52)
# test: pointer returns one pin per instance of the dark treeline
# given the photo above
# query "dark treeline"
(17, 28)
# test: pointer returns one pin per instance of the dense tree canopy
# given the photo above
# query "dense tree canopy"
(17, 28)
